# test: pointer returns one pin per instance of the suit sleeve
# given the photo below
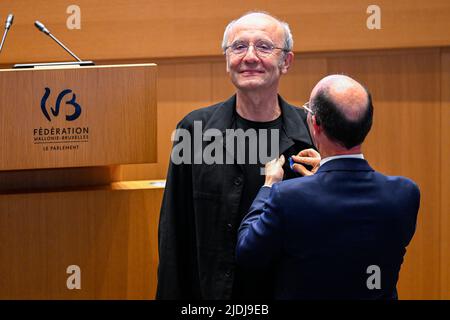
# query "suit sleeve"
(260, 234)
(175, 234)
(413, 204)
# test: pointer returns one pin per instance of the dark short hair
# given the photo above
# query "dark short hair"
(348, 133)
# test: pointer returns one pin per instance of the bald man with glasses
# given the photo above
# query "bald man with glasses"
(341, 232)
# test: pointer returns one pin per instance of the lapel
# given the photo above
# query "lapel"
(223, 119)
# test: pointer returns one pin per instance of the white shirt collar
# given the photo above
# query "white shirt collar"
(345, 156)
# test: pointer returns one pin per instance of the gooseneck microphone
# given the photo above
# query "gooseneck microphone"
(42, 28)
(8, 24)
(9, 21)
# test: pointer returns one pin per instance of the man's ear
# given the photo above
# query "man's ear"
(227, 63)
(316, 124)
(288, 59)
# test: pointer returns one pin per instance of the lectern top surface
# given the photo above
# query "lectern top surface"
(82, 67)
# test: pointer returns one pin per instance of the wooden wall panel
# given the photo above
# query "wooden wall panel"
(445, 176)
(182, 87)
(111, 235)
(222, 88)
(142, 29)
(406, 90)
(303, 75)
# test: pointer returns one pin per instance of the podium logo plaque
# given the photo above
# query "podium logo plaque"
(55, 111)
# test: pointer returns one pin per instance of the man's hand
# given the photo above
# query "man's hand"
(274, 171)
(308, 156)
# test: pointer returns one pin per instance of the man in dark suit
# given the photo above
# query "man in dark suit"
(342, 231)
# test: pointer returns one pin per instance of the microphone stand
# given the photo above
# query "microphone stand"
(64, 47)
(79, 62)
(3, 39)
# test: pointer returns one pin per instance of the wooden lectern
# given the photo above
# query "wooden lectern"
(69, 227)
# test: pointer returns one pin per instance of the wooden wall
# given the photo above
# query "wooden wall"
(445, 176)
(141, 29)
(406, 65)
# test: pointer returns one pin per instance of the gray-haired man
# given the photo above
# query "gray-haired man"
(204, 203)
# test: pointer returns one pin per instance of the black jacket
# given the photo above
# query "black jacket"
(199, 213)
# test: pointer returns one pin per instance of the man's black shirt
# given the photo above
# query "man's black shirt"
(253, 284)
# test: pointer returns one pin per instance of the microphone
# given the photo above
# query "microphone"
(40, 26)
(8, 24)
(9, 21)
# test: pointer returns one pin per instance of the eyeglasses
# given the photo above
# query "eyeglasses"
(262, 48)
(307, 109)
